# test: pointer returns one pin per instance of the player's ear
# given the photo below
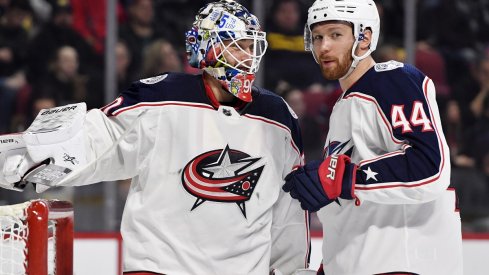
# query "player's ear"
(364, 44)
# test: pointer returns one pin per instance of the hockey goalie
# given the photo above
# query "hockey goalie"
(207, 155)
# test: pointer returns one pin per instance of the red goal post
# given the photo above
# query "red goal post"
(36, 238)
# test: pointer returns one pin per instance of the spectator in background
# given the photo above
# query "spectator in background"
(57, 32)
(311, 129)
(477, 103)
(387, 52)
(174, 17)
(458, 53)
(89, 19)
(13, 41)
(123, 59)
(477, 142)
(286, 59)
(469, 147)
(14, 37)
(139, 31)
(63, 84)
(454, 131)
(391, 15)
(10, 88)
(471, 90)
(466, 88)
(160, 57)
(470, 176)
(430, 61)
(470, 103)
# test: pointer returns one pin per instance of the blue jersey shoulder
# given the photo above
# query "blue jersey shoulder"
(165, 87)
(271, 106)
(391, 83)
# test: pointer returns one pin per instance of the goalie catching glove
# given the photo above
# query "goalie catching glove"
(317, 184)
(47, 151)
(56, 134)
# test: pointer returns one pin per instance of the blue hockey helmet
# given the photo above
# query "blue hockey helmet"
(215, 43)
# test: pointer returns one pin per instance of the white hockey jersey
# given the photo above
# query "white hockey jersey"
(405, 218)
(206, 193)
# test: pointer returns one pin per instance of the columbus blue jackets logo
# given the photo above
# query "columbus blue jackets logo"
(223, 175)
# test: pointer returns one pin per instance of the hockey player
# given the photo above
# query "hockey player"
(382, 190)
(207, 155)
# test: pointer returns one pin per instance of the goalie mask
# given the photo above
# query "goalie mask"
(362, 14)
(225, 41)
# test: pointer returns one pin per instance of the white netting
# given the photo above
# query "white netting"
(52, 247)
(13, 237)
(19, 231)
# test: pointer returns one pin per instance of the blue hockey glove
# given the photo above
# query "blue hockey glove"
(317, 184)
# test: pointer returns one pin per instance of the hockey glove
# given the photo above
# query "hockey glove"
(14, 161)
(16, 165)
(317, 184)
(56, 134)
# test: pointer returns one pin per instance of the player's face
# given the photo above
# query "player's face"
(332, 45)
(238, 53)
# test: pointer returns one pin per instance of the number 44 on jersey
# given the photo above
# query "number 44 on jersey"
(418, 117)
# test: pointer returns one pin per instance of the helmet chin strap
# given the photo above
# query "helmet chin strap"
(356, 59)
(239, 85)
(218, 73)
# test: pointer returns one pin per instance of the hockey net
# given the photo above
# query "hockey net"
(36, 238)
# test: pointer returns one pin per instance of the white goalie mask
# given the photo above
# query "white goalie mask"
(362, 14)
(225, 40)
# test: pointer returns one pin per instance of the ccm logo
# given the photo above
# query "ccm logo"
(332, 167)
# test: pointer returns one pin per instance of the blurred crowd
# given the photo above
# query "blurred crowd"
(52, 53)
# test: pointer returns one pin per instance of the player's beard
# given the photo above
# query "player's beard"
(342, 66)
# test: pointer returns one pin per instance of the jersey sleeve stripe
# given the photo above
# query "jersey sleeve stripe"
(393, 185)
(159, 104)
(427, 80)
(401, 151)
(116, 103)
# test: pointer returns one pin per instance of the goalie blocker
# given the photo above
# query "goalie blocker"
(47, 151)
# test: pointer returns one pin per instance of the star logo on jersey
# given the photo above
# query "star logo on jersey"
(223, 175)
(370, 174)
